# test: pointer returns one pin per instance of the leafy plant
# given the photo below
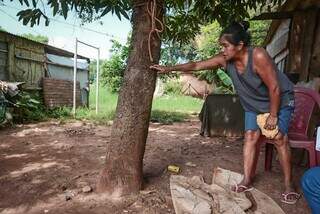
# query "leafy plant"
(225, 83)
(112, 70)
(36, 38)
(221, 81)
(3, 107)
(173, 87)
(166, 117)
(58, 113)
(28, 107)
(93, 69)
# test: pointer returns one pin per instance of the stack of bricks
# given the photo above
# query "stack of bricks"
(59, 93)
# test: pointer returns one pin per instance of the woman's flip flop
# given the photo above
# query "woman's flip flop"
(290, 200)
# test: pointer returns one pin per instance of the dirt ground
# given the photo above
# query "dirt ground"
(49, 167)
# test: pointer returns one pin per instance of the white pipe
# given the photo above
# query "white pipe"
(97, 83)
(88, 44)
(75, 77)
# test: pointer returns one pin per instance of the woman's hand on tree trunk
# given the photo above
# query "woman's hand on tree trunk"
(160, 68)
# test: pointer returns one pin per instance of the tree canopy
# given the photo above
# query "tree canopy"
(37, 38)
(182, 21)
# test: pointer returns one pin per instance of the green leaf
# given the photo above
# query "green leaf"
(32, 21)
(118, 14)
(224, 78)
(55, 8)
(124, 14)
(47, 22)
(26, 20)
(27, 2)
(64, 8)
(34, 101)
(105, 11)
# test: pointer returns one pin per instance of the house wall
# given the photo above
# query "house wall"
(302, 38)
(315, 57)
(295, 46)
(279, 42)
(66, 73)
(25, 60)
(278, 47)
(4, 75)
(58, 93)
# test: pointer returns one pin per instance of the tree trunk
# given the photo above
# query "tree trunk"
(122, 173)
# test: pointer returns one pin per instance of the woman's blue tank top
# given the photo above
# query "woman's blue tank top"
(253, 93)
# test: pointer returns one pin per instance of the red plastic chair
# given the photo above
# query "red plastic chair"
(305, 102)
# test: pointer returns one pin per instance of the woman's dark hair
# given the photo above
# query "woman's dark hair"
(236, 32)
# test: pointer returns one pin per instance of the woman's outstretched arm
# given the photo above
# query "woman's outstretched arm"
(214, 62)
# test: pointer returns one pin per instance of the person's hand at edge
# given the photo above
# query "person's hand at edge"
(160, 69)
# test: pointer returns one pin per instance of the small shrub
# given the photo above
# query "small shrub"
(58, 113)
(173, 87)
(166, 117)
(28, 107)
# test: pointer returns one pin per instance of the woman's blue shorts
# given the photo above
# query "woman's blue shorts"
(284, 117)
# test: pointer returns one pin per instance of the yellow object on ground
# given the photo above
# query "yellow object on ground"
(173, 168)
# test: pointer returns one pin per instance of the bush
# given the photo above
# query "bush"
(28, 107)
(112, 70)
(58, 113)
(166, 117)
(112, 73)
(173, 87)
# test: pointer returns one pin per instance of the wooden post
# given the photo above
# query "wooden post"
(301, 40)
(308, 41)
(315, 56)
(11, 61)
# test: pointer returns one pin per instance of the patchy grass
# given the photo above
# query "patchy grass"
(166, 109)
(177, 103)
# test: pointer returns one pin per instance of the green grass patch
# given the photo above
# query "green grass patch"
(167, 117)
(166, 109)
(177, 103)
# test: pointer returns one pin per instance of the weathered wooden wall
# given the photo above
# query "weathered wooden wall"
(315, 57)
(296, 49)
(25, 60)
(302, 37)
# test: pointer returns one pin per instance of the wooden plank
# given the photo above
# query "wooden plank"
(301, 39)
(314, 70)
(308, 39)
(275, 15)
(296, 42)
(278, 45)
(11, 60)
